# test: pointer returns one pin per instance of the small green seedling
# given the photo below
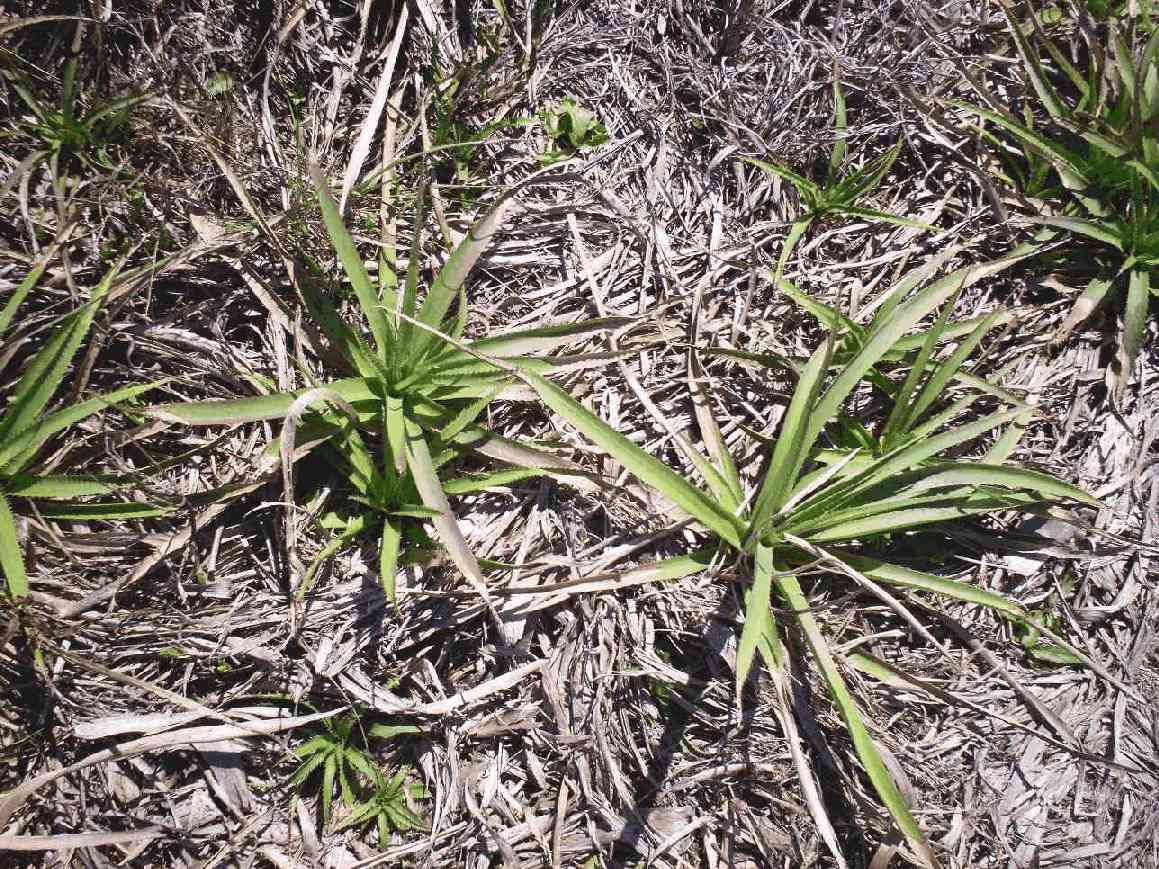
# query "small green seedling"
(842, 191)
(1033, 632)
(336, 757)
(571, 129)
(385, 805)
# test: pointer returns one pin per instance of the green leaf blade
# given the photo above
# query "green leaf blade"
(647, 468)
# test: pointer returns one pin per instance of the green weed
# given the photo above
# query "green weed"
(1091, 164)
(386, 807)
(571, 128)
(335, 758)
(25, 429)
(411, 403)
(62, 133)
(842, 191)
(810, 498)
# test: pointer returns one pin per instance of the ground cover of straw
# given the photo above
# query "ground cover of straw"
(612, 734)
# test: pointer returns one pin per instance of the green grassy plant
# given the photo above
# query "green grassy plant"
(411, 402)
(385, 805)
(813, 504)
(334, 758)
(1090, 163)
(841, 192)
(25, 429)
(571, 128)
(63, 133)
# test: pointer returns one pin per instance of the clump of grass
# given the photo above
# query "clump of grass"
(842, 191)
(25, 429)
(812, 502)
(411, 402)
(1089, 161)
(334, 758)
(64, 133)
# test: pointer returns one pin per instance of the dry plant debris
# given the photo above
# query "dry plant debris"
(487, 433)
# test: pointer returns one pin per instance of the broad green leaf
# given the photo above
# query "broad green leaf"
(360, 461)
(452, 277)
(840, 123)
(358, 759)
(1135, 318)
(388, 551)
(789, 453)
(313, 745)
(884, 217)
(406, 307)
(826, 315)
(466, 417)
(115, 107)
(28, 486)
(20, 446)
(648, 469)
(877, 344)
(1125, 63)
(1146, 172)
(676, 567)
(329, 771)
(11, 559)
(759, 626)
(430, 489)
(1048, 653)
(1111, 147)
(106, 510)
(19, 294)
(972, 474)
(390, 731)
(544, 339)
(894, 498)
(356, 526)
(414, 511)
(368, 297)
(1097, 230)
(795, 232)
(1062, 62)
(489, 482)
(887, 303)
(711, 435)
(894, 574)
(360, 814)
(804, 186)
(907, 519)
(863, 744)
(395, 423)
(1006, 442)
(944, 417)
(256, 408)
